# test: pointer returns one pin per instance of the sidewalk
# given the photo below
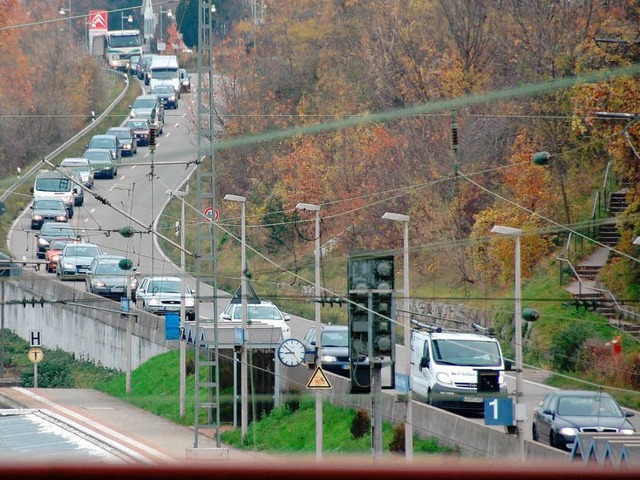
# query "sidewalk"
(153, 439)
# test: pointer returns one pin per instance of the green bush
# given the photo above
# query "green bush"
(566, 346)
(361, 424)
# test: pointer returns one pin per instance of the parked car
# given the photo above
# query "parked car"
(128, 139)
(563, 414)
(47, 210)
(82, 166)
(264, 312)
(335, 349)
(109, 142)
(56, 246)
(51, 230)
(74, 260)
(141, 129)
(185, 81)
(149, 107)
(161, 295)
(107, 279)
(167, 94)
(102, 162)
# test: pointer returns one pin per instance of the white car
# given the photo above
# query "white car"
(75, 259)
(263, 312)
(162, 295)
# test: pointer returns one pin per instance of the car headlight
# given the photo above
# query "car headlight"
(189, 302)
(61, 218)
(132, 114)
(100, 284)
(154, 302)
(501, 379)
(568, 431)
(37, 218)
(127, 145)
(328, 358)
(443, 377)
(68, 265)
(55, 258)
(172, 98)
(42, 242)
(627, 431)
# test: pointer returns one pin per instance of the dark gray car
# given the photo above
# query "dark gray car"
(51, 230)
(47, 210)
(335, 349)
(107, 279)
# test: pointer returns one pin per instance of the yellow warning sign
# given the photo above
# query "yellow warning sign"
(318, 379)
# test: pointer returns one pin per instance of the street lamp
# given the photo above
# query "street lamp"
(122, 17)
(520, 407)
(183, 353)
(169, 14)
(316, 208)
(408, 424)
(244, 390)
(66, 11)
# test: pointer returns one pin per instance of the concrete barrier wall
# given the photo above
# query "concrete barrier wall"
(81, 325)
(463, 434)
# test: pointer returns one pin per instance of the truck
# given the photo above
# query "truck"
(445, 367)
(120, 46)
(165, 69)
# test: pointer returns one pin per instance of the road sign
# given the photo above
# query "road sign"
(36, 355)
(498, 411)
(98, 20)
(318, 380)
(161, 46)
(125, 304)
(211, 214)
(35, 340)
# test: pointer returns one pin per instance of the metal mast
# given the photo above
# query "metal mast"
(206, 358)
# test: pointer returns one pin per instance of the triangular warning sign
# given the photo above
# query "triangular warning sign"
(318, 379)
(252, 296)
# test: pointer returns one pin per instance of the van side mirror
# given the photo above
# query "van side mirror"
(508, 366)
(424, 362)
(287, 318)
(31, 189)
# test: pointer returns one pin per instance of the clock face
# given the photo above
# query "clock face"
(291, 352)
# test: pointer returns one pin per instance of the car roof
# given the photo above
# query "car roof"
(147, 97)
(119, 129)
(103, 136)
(581, 393)
(86, 244)
(82, 160)
(162, 277)
(49, 174)
(92, 150)
(59, 226)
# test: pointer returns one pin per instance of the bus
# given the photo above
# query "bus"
(120, 46)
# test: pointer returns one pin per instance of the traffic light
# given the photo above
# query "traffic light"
(371, 332)
(152, 137)
(488, 381)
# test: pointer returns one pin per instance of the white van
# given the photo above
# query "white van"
(54, 185)
(164, 69)
(444, 368)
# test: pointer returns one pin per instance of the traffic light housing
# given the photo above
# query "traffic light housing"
(488, 381)
(371, 332)
(152, 137)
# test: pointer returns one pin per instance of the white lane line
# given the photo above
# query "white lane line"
(133, 167)
(176, 125)
(97, 426)
(93, 209)
(86, 220)
(122, 177)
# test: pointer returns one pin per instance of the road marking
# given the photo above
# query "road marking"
(86, 220)
(176, 124)
(101, 428)
(133, 167)
(122, 177)
(93, 209)
(167, 135)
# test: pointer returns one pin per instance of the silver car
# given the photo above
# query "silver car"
(75, 259)
(161, 295)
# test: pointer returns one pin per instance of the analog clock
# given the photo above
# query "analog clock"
(291, 352)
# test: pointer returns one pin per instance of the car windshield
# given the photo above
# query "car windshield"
(108, 269)
(335, 339)
(258, 312)
(74, 163)
(163, 89)
(140, 124)
(122, 134)
(85, 169)
(98, 155)
(53, 184)
(473, 353)
(161, 74)
(102, 143)
(144, 103)
(58, 244)
(81, 251)
(48, 205)
(165, 286)
(53, 230)
(588, 406)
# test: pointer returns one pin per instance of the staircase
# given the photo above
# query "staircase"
(584, 288)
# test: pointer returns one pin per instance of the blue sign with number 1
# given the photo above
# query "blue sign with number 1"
(498, 411)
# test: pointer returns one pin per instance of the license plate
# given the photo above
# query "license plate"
(473, 399)
(172, 307)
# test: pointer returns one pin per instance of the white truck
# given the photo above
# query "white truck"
(444, 368)
(164, 69)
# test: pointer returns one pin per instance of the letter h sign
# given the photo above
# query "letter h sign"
(34, 338)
